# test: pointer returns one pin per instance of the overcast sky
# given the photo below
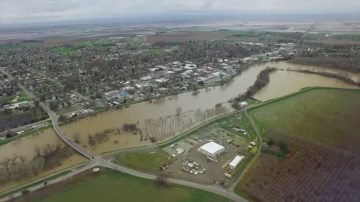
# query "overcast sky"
(27, 11)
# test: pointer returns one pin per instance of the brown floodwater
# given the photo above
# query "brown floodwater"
(26, 147)
(290, 82)
(281, 83)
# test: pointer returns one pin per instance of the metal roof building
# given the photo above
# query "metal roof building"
(235, 162)
(211, 149)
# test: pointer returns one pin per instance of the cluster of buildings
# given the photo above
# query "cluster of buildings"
(171, 78)
(212, 150)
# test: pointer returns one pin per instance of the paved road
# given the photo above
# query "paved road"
(210, 188)
(36, 125)
(73, 172)
(101, 162)
(61, 134)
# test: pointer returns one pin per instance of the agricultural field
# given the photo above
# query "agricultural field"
(310, 146)
(186, 36)
(326, 39)
(109, 186)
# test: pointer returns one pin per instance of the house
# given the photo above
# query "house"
(211, 149)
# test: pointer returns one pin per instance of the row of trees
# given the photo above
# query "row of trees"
(169, 126)
(262, 80)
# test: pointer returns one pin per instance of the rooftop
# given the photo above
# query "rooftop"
(212, 147)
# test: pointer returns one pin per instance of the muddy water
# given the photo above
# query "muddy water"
(284, 82)
(26, 147)
(281, 83)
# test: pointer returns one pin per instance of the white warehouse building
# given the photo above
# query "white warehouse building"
(211, 149)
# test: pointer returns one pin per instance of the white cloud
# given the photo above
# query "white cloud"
(14, 11)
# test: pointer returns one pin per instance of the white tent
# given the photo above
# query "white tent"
(235, 162)
(211, 149)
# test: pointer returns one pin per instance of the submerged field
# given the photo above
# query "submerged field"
(319, 129)
(109, 186)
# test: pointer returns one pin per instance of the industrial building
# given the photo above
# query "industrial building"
(211, 149)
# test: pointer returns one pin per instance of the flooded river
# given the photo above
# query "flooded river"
(281, 83)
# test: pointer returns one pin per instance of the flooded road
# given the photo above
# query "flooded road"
(162, 112)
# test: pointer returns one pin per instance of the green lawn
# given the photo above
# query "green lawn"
(111, 186)
(146, 161)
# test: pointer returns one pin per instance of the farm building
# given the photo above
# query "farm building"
(211, 149)
(235, 162)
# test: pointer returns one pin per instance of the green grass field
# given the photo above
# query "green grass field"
(146, 161)
(326, 116)
(111, 186)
